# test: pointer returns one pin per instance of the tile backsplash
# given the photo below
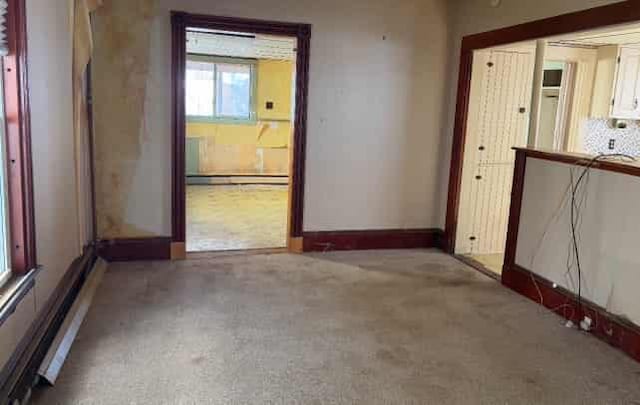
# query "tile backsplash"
(601, 137)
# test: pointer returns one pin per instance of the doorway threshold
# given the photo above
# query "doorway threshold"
(238, 252)
(478, 266)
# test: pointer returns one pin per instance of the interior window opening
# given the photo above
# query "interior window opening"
(577, 93)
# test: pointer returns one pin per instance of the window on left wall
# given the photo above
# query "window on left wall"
(220, 89)
(17, 218)
(5, 262)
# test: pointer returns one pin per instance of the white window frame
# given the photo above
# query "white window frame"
(5, 234)
(252, 63)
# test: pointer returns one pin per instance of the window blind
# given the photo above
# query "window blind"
(4, 44)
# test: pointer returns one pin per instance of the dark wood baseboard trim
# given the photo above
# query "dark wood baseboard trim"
(614, 330)
(132, 249)
(19, 373)
(372, 239)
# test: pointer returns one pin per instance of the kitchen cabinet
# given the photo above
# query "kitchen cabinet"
(627, 85)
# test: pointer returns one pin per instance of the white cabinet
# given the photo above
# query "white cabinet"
(627, 85)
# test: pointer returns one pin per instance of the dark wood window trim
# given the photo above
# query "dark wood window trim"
(617, 13)
(302, 32)
(18, 134)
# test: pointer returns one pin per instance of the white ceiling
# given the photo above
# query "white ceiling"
(629, 35)
(241, 45)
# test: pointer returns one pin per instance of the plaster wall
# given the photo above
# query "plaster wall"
(469, 17)
(375, 114)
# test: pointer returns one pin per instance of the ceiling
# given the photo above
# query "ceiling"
(629, 35)
(240, 45)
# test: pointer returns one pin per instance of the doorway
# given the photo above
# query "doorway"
(240, 97)
(499, 104)
(576, 118)
(239, 127)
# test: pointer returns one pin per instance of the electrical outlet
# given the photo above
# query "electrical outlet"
(269, 105)
(612, 144)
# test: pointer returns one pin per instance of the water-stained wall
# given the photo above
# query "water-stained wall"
(120, 71)
(375, 112)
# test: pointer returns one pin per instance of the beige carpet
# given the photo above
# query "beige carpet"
(378, 327)
(236, 217)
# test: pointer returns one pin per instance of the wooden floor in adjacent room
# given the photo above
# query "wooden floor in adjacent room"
(236, 217)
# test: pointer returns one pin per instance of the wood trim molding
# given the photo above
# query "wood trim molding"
(614, 330)
(178, 164)
(608, 327)
(296, 245)
(517, 190)
(597, 17)
(371, 239)
(18, 135)
(581, 160)
(302, 32)
(18, 374)
(132, 249)
(617, 13)
(178, 250)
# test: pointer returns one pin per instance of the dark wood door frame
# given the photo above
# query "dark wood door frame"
(302, 32)
(617, 13)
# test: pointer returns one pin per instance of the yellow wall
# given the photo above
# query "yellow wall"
(264, 134)
(228, 148)
(274, 84)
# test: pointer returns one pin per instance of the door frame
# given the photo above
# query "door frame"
(302, 32)
(599, 17)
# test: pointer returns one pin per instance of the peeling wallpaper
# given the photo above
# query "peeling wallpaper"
(382, 85)
(120, 70)
(375, 114)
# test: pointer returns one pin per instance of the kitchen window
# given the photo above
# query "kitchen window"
(220, 89)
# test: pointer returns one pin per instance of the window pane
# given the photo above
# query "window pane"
(233, 91)
(5, 271)
(199, 88)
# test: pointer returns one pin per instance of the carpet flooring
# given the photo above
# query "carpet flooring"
(362, 327)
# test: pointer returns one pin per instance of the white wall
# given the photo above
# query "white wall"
(476, 16)
(50, 52)
(375, 111)
(49, 64)
(585, 67)
(608, 234)
(603, 83)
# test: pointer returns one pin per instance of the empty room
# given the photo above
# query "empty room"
(292, 202)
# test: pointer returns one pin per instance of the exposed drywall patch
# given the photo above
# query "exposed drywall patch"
(120, 70)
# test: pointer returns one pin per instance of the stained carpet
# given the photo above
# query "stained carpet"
(377, 327)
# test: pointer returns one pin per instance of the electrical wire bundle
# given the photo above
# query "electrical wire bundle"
(578, 201)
